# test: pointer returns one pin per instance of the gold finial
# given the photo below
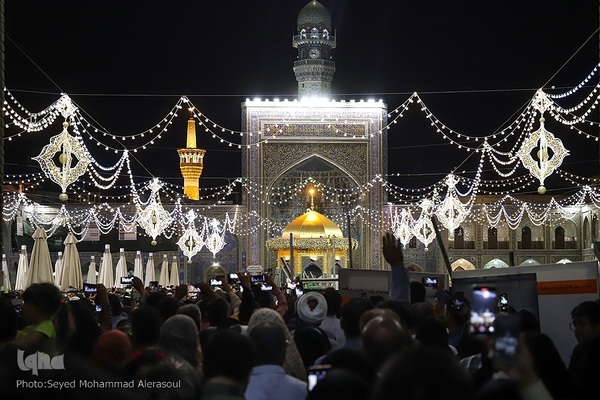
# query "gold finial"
(311, 191)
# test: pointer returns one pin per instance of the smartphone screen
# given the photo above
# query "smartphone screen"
(506, 334)
(154, 285)
(266, 288)
(233, 279)
(193, 289)
(98, 307)
(127, 280)
(483, 310)
(316, 373)
(429, 281)
(215, 282)
(257, 278)
(503, 302)
(89, 288)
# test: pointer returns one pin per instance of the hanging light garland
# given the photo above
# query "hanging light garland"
(402, 226)
(153, 218)
(215, 237)
(191, 242)
(451, 212)
(70, 149)
(545, 141)
(424, 230)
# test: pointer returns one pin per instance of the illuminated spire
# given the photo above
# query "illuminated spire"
(191, 162)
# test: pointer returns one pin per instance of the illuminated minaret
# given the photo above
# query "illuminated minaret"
(191, 162)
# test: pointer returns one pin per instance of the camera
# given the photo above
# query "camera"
(153, 285)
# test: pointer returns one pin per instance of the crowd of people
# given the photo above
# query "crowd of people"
(248, 343)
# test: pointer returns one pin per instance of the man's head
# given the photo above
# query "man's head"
(145, 327)
(334, 301)
(270, 342)
(40, 301)
(217, 311)
(311, 308)
(351, 315)
(383, 337)
(585, 321)
(229, 356)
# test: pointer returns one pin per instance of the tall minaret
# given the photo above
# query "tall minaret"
(314, 40)
(191, 162)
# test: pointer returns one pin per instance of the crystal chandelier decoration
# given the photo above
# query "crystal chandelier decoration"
(154, 219)
(73, 158)
(215, 238)
(424, 230)
(190, 242)
(550, 150)
(401, 226)
(451, 212)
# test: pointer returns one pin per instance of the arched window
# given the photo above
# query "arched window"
(312, 270)
(492, 238)
(459, 238)
(412, 244)
(526, 238)
(559, 237)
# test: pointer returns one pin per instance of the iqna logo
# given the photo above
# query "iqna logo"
(38, 361)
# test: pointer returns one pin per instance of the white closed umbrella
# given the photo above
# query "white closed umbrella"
(163, 279)
(6, 281)
(174, 279)
(138, 268)
(71, 276)
(40, 264)
(121, 270)
(22, 269)
(58, 268)
(150, 274)
(91, 275)
(106, 268)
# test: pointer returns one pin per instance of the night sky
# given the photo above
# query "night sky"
(475, 64)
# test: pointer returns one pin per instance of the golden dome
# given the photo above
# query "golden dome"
(312, 225)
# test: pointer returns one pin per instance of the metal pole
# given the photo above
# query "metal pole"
(441, 244)
(3, 230)
(349, 243)
(292, 270)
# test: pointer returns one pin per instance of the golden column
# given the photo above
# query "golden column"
(191, 162)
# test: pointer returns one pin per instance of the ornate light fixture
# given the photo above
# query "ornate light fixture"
(424, 230)
(401, 226)
(546, 162)
(215, 238)
(73, 158)
(451, 212)
(154, 219)
(190, 242)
